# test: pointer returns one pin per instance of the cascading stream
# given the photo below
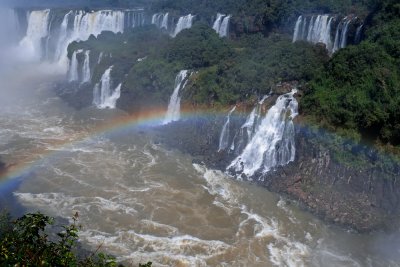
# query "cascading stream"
(221, 24)
(73, 72)
(174, 106)
(86, 73)
(103, 96)
(160, 20)
(225, 133)
(273, 144)
(184, 22)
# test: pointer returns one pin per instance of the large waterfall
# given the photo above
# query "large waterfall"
(160, 20)
(273, 144)
(174, 106)
(38, 28)
(225, 133)
(135, 18)
(86, 73)
(341, 35)
(184, 22)
(221, 24)
(85, 24)
(48, 34)
(103, 96)
(318, 29)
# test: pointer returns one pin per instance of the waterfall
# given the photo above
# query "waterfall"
(249, 128)
(221, 24)
(336, 45)
(160, 20)
(225, 133)
(86, 74)
(76, 25)
(103, 96)
(297, 28)
(174, 106)
(184, 22)
(319, 30)
(63, 35)
(38, 28)
(253, 120)
(218, 21)
(357, 38)
(273, 144)
(223, 30)
(341, 35)
(73, 75)
(100, 57)
(134, 18)
(343, 42)
(86, 24)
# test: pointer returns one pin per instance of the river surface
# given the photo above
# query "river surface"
(143, 202)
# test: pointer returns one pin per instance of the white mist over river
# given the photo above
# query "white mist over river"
(143, 202)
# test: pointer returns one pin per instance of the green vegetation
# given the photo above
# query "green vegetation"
(26, 242)
(227, 70)
(355, 93)
(358, 92)
(34, 240)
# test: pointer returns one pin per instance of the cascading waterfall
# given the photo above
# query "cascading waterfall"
(86, 74)
(73, 73)
(184, 22)
(103, 96)
(343, 42)
(253, 120)
(76, 25)
(86, 24)
(135, 18)
(221, 24)
(38, 28)
(160, 20)
(341, 35)
(225, 133)
(298, 29)
(249, 128)
(273, 144)
(217, 22)
(357, 38)
(319, 30)
(174, 106)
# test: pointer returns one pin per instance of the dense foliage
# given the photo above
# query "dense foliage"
(358, 93)
(34, 240)
(27, 242)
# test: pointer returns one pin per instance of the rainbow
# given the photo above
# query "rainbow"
(118, 124)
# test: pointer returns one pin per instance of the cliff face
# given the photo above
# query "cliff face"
(363, 196)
